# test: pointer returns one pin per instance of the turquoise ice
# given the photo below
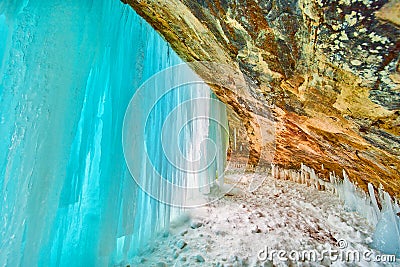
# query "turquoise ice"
(68, 71)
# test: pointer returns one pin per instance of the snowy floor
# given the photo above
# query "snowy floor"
(244, 228)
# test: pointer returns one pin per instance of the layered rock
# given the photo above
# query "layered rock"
(329, 72)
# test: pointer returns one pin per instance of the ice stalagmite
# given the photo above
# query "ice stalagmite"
(68, 70)
(387, 231)
(386, 220)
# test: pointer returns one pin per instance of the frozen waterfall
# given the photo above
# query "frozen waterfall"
(68, 70)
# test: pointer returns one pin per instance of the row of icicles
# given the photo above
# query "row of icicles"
(385, 219)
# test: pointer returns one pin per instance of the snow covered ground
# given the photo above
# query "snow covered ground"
(280, 224)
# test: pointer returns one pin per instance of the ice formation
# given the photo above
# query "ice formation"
(386, 236)
(305, 175)
(68, 70)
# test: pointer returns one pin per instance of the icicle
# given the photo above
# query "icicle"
(387, 223)
(387, 231)
(374, 202)
(272, 170)
(234, 138)
(68, 72)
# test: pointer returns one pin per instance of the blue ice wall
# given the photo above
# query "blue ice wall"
(68, 70)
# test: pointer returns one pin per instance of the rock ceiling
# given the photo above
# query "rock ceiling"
(328, 73)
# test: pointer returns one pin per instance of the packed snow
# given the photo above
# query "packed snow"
(282, 223)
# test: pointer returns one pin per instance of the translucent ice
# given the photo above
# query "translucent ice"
(68, 70)
(387, 231)
(386, 236)
(386, 220)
